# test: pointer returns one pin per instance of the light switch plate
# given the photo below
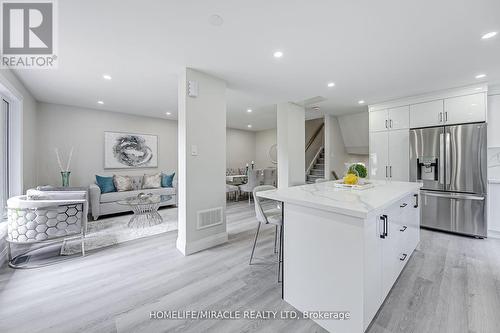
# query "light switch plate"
(194, 150)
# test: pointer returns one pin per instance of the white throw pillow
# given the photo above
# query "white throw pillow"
(123, 183)
(151, 181)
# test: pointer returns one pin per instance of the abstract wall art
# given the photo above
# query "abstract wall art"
(130, 150)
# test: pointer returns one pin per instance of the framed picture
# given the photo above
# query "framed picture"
(130, 150)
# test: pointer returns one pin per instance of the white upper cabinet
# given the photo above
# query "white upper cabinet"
(378, 121)
(390, 119)
(399, 155)
(465, 109)
(399, 118)
(427, 114)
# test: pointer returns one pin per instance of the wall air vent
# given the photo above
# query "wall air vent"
(209, 217)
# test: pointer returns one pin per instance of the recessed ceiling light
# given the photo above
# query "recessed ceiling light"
(331, 84)
(168, 113)
(489, 35)
(361, 102)
(480, 76)
(100, 102)
(249, 126)
(278, 54)
(249, 110)
(106, 77)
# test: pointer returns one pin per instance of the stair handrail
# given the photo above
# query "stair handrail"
(314, 160)
(315, 135)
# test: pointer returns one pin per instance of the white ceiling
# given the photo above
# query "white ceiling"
(372, 50)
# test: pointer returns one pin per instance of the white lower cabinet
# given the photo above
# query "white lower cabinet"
(397, 235)
(379, 155)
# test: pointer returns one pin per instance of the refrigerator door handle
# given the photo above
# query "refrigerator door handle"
(448, 158)
(457, 196)
(441, 157)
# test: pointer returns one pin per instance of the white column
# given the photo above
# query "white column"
(291, 144)
(202, 161)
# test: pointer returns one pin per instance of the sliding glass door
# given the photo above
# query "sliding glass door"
(4, 157)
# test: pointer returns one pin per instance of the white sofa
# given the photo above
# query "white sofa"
(106, 203)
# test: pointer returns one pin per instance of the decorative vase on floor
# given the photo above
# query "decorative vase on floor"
(65, 178)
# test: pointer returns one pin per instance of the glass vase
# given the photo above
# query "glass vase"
(65, 178)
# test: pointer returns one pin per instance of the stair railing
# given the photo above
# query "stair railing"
(315, 135)
(311, 165)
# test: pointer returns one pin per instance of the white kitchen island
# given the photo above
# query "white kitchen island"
(343, 249)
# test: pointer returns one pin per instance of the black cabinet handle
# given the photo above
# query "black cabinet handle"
(403, 205)
(384, 229)
(416, 201)
(386, 225)
(404, 228)
(403, 257)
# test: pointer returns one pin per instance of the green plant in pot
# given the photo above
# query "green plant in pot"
(359, 170)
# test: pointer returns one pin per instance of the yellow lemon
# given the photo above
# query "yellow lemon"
(351, 179)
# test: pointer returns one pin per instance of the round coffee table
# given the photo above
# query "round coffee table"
(145, 209)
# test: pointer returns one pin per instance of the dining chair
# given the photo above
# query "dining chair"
(269, 216)
(269, 176)
(252, 182)
(232, 189)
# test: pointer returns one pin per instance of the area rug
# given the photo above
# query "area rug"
(114, 230)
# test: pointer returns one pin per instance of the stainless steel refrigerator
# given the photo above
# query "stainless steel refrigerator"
(450, 161)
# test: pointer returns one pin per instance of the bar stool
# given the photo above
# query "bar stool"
(270, 216)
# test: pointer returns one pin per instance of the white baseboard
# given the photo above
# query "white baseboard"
(188, 248)
(493, 233)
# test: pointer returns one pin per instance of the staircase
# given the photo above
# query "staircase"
(318, 169)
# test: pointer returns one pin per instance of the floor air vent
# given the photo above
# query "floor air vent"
(209, 217)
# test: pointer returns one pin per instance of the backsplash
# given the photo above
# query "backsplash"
(494, 163)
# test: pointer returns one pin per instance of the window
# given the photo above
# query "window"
(4, 157)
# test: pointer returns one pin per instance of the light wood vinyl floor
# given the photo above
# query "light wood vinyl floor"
(451, 284)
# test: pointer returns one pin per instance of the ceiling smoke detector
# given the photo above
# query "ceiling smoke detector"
(216, 20)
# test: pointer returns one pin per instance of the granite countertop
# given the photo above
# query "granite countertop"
(358, 203)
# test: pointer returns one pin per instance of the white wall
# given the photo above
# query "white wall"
(494, 162)
(354, 129)
(494, 120)
(202, 175)
(240, 148)
(335, 154)
(263, 142)
(64, 127)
